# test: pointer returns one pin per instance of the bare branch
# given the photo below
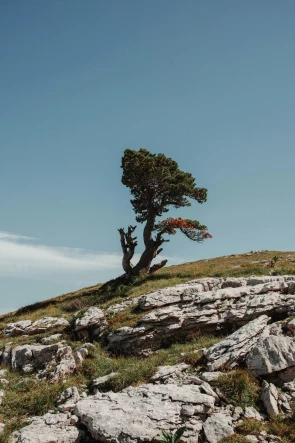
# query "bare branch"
(157, 266)
(128, 244)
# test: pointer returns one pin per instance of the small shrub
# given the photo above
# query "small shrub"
(240, 386)
(165, 437)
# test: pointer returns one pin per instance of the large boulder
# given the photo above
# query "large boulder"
(185, 309)
(233, 350)
(51, 361)
(89, 324)
(273, 354)
(138, 414)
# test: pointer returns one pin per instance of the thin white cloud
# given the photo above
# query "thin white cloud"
(13, 237)
(28, 259)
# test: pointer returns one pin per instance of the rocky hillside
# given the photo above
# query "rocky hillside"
(206, 348)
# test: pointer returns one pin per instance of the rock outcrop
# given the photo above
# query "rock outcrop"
(195, 306)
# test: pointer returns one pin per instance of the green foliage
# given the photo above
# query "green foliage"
(240, 387)
(166, 437)
(156, 182)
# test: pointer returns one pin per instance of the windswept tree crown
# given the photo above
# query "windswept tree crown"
(156, 182)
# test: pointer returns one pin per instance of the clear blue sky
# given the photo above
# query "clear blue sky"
(210, 84)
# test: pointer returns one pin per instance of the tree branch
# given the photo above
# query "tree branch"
(128, 244)
(157, 266)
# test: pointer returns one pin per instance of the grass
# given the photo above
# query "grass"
(240, 386)
(135, 370)
(105, 295)
(24, 397)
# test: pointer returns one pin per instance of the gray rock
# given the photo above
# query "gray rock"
(164, 372)
(217, 427)
(14, 329)
(140, 413)
(251, 438)
(89, 324)
(272, 354)
(1, 396)
(251, 412)
(68, 399)
(26, 327)
(210, 376)
(269, 398)
(185, 309)
(50, 340)
(100, 381)
(51, 428)
(2, 426)
(51, 361)
(234, 349)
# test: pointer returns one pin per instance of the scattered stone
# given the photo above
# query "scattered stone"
(251, 438)
(100, 381)
(251, 412)
(50, 340)
(210, 376)
(165, 372)
(217, 427)
(68, 399)
(269, 398)
(89, 324)
(1, 397)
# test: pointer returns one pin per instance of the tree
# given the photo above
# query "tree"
(156, 183)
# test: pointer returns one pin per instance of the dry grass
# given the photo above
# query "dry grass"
(25, 397)
(240, 265)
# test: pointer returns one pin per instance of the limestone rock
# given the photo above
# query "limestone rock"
(140, 413)
(272, 354)
(234, 349)
(251, 412)
(165, 372)
(185, 309)
(100, 381)
(26, 327)
(89, 324)
(217, 427)
(14, 329)
(210, 376)
(269, 398)
(68, 399)
(51, 361)
(51, 428)
(51, 339)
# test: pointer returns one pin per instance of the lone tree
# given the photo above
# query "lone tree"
(156, 182)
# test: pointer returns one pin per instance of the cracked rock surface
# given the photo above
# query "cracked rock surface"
(203, 305)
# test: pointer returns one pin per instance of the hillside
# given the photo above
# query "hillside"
(71, 341)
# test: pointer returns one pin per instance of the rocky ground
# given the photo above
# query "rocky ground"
(214, 355)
